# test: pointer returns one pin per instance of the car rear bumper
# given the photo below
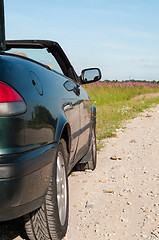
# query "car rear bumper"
(24, 180)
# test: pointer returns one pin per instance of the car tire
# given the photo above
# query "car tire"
(50, 221)
(92, 162)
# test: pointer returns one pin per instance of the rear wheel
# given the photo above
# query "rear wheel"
(92, 162)
(51, 220)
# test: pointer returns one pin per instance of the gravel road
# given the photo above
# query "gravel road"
(120, 199)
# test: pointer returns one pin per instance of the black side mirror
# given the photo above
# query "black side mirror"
(90, 75)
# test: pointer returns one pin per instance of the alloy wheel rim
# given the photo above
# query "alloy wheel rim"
(61, 188)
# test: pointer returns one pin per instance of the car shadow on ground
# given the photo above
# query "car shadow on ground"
(11, 229)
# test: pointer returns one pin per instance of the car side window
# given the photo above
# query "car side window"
(39, 55)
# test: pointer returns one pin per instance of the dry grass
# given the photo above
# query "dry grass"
(116, 102)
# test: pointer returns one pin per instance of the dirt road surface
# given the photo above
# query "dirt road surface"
(120, 199)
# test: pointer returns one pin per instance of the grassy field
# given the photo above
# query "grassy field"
(118, 101)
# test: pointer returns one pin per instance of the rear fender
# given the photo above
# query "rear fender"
(63, 130)
(60, 126)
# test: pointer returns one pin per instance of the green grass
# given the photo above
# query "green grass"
(114, 104)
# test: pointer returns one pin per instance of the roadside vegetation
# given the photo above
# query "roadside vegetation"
(119, 101)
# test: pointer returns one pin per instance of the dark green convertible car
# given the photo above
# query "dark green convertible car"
(47, 127)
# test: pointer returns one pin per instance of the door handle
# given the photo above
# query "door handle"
(77, 90)
(68, 106)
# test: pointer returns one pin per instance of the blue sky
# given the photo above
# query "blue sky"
(121, 37)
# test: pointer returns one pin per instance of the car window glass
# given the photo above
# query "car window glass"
(40, 55)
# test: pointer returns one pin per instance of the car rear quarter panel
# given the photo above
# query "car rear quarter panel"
(36, 127)
(45, 117)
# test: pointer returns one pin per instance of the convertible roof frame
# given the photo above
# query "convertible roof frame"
(53, 47)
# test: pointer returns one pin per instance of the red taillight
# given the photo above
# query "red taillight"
(8, 94)
(11, 103)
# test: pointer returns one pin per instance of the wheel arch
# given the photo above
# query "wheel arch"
(66, 135)
(63, 131)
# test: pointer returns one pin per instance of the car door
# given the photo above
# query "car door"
(72, 112)
(78, 113)
(85, 121)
